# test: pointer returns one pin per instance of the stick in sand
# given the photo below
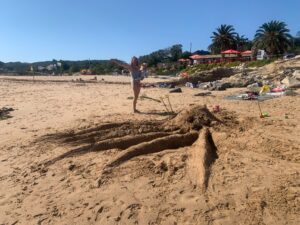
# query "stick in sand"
(261, 115)
(153, 99)
(170, 103)
(164, 104)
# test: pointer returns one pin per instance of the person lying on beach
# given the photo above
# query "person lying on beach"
(136, 77)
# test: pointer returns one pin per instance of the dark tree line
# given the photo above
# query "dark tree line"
(61, 67)
(171, 54)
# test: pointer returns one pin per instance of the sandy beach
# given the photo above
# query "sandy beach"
(254, 179)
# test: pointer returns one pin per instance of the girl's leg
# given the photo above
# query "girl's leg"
(136, 92)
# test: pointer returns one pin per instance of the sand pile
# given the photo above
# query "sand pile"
(126, 134)
(132, 139)
(193, 118)
(203, 155)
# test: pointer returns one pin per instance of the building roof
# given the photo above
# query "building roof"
(218, 56)
(196, 56)
(184, 60)
(210, 56)
(247, 53)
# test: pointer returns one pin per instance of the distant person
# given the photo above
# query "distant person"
(144, 70)
(136, 77)
(125, 72)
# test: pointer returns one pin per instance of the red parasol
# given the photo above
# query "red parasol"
(230, 51)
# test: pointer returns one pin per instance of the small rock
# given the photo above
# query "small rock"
(117, 219)
(163, 166)
(203, 94)
(184, 158)
(176, 90)
(263, 204)
(44, 170)
(71, 167)
(14, 223)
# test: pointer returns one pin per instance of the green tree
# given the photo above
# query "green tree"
(297, 40)
(222, 39)
(74, 69)
(176, 52)
(242, 43)
(171, 54)
(186, 55)
(201, 52)
(64, 66)
(296, 44)
(273, 37)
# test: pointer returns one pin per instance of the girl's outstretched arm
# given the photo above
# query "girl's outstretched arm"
(119, 63)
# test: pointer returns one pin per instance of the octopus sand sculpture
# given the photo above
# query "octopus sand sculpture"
(189, 127)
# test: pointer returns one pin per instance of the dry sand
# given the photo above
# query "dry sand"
(253, 179)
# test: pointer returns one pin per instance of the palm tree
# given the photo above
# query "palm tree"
(273, 37)
(223, 38)
(242, 43)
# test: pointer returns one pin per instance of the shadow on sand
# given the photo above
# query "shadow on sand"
(158, 113)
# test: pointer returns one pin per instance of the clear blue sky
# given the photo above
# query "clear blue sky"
(37, 30)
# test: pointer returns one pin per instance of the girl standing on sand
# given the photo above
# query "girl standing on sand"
(136, 77)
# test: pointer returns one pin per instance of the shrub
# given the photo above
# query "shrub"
(259, 63)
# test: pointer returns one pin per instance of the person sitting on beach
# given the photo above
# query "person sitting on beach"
(136, 77)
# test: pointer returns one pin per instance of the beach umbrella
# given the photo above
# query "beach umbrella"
(230, 51)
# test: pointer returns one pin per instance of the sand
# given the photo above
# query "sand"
(241, 169)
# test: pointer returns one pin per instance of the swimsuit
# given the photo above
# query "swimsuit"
(136, 75)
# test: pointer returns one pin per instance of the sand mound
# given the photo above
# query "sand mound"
(133, 139)
(203, 155)
(193, 118)
(123, 136)
(170, 142)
